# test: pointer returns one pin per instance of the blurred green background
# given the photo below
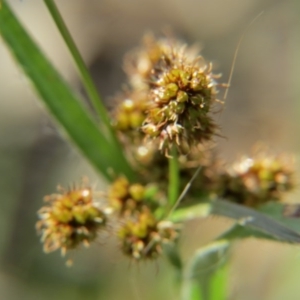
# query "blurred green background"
(262, 105)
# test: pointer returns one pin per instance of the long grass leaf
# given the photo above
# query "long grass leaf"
(63, 104)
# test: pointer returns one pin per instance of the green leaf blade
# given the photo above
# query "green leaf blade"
(60, 99)
(256, 224)
(189, 213)
(202, 274)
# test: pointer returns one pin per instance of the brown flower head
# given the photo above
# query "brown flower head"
(254, 181)
(70, 218)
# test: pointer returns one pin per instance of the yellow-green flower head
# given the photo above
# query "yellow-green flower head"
(142, 237)
(125, 197)
(254, 181)
(69, 219)
(143, 63)
(130, 112)
(180, 91)
(181, 102)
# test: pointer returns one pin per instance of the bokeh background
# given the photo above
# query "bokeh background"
(262, 105)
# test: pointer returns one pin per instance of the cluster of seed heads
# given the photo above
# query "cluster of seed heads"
(74, 217)
(168, 105)
(141, 233)
(143, 236)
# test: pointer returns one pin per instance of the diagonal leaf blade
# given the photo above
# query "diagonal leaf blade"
(201, 210)
(238, 231)
(63, 104)
(275, 210)
(267, 223)
(257, 224)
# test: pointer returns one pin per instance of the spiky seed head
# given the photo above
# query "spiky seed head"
(182, 93)
(70, 218)
(125, 197)
(143, 63)
(255, 180)
(130, 111)
(142, 236)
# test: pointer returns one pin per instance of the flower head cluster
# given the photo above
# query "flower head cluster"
(180, 91)
(141, 233)
(126, 197)
(69, 219)
(143, 236)
(181, 101)
(72, 218)
(130, 114)
(168, 106)
(254, 181)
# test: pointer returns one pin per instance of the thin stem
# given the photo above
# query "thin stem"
(84, 73)
(173, 188)
(236, 54)
(88, 84)
(184, 192)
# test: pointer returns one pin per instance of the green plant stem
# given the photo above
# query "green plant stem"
(84, 73)
(183, 193)
(86, 80)
(173, 188)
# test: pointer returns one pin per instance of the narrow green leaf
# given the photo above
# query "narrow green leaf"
(257, 223)
(219, 283)
(60, 100)
(207, 260)
(272, 209)
(195, 293)
(238, 231)
(86, 78)
(267, 223)
(275, 210)
(192, 212)
(201, 270)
